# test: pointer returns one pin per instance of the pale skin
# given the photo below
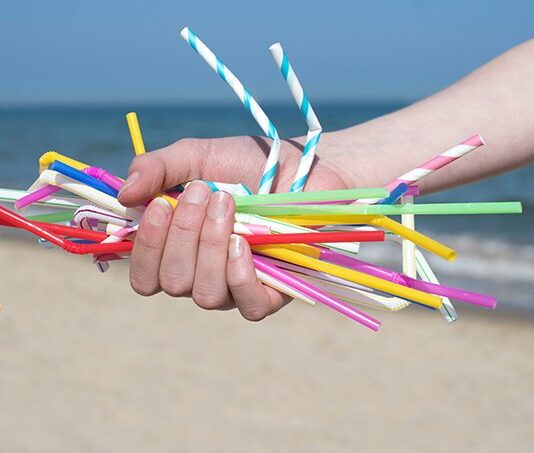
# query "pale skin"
(192, 251)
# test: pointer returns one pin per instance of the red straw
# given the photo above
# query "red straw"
(315, 238)
(43, 230)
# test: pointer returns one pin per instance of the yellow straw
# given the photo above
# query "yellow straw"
(379, 221)
(48, 158)
(370, 281)
(135, 133)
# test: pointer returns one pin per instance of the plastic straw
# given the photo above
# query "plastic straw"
(309, 211)
(283, 227)
(311, 238)
(82, 177)
(314, 127)
(299, 197)
(283, 253)
(135, 133)
(101, 199)
(282, 287)
(316, 294)
(248, 101)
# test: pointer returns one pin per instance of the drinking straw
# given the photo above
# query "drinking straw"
(95, 196)
(248, 101)
(314, 127)
(51, 156)
(249, 228)
(84, 178)
(312, 238)
(408, 247)
(426, 274)
(81, 249)
(283, 227)
(282, 287)
(285, 254)
(36, 196)
(55, 217)
(316, 294)
(349, 291)
(233, 189)
(357, 296)
(439, 161)
(135, 133)
(323, 211)
(395, 194)
(388, 274)
(389, 224)
(105, 176)
(299, 197)
(90, 212)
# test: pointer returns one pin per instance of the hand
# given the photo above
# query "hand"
(192, 252)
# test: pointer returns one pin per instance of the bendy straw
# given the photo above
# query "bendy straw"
(300, 197)
(248, 101)
(13, 219)
(82, 177)
(342, 213)
(95, 196)
(285, 254)
(316, 294)
(135, 133)
(314, 127)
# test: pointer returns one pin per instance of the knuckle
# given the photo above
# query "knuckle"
(174, 284)
(253, 315)
(208, 300)
(186, 222)
(143, 288)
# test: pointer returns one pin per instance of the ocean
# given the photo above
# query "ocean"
(496, 253)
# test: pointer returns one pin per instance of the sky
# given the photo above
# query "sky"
(74, 52)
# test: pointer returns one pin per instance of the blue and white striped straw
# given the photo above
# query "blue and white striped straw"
(248, 101)
(314, 127)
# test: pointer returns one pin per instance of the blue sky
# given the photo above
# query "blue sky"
(129, 51)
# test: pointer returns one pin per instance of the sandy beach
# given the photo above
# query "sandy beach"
(88, 366)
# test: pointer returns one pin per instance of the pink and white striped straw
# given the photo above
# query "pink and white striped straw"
(438, 162)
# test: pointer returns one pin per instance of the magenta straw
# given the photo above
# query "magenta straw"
(104, 176)
(36, 195)
(401, 279)
(316, 294)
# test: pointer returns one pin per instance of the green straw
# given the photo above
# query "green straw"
(63, 216)
(323, 195)
(512, 207)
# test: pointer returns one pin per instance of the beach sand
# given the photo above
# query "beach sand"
(88, 366)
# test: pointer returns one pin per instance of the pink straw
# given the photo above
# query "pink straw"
(316, 294)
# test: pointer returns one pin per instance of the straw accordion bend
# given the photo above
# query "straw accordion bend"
(304, 244)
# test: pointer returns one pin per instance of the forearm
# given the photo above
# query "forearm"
(496, 100)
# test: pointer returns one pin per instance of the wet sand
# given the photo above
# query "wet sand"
(88, 366)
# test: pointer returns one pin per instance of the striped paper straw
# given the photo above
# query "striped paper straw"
(248, 101)
(314, 127)
(438, 162)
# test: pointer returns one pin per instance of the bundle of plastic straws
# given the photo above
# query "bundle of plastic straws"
(305, 244)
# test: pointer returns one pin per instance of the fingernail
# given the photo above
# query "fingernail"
(196, 193)
(218, 205)
(236, 247)
(158, 212)
(130, 181)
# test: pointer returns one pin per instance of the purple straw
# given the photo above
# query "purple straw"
(401, 279)
(316, 294)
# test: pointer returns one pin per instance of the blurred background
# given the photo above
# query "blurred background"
(88, 366)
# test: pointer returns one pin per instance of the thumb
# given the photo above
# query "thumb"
(162, 169)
